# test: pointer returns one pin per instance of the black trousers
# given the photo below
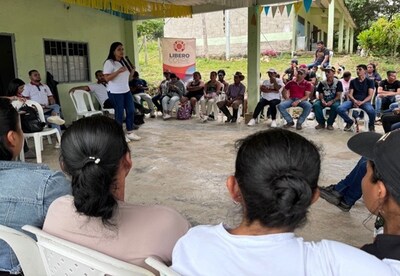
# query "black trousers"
(388, 119)
(263, 102)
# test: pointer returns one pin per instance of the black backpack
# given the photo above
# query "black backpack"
(30, 121)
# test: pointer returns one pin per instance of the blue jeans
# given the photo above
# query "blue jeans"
(395, 126)
(288, 103)
(320, 116)
(314, 64)
(123, 102)
(347, 105)
(384, 103)
(350, 187)
(55, 108)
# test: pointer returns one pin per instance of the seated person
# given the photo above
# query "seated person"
(234, 98)
(97, 158)
(291, 72)
(275, 182)
(321, 56)
(221, 76)
(162, 88)
(99, 88)
(139, 88)
(345, 80)
(27, 190)
(296, 93)
(270, 95)
(360, 95)
(40, 93)
(173, 94)
(387, 91)
(211, 91)
(389, 119)
(194, 90)
(330, 91)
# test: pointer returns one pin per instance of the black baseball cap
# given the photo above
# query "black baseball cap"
(384, 151)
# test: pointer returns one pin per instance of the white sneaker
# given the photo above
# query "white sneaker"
(57, 145)
(55, 120)
(252, 122)
(311, 116)
(166, 116)
(273, 124)
(132, 136)
(127, 139)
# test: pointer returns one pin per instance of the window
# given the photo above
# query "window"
(67, 61)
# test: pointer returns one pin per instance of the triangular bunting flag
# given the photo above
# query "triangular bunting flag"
(297, 6)
(274, 8)
(260, 9)
(289, 9)
(281, 9)
(307, 5)
(266, 9)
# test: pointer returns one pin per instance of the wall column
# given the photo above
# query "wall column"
(348, 39)
(253, 57)
(131, 42)
(351, 41)
(341, 31)
(331, 25)
(294, 31)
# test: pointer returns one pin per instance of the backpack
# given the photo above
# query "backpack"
(184, 111)
(30, 121)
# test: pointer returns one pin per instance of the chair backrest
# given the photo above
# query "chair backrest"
(26, 250)
(161, 267)
(79, 98)
(62, 257)
(39, 109)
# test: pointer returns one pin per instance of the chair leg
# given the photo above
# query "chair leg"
(38, 144)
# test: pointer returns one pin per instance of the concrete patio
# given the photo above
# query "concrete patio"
(184, 165)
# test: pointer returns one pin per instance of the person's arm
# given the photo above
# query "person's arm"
(219, 87)
(108, 67)
(85, 87)
(51, 100)
(326, 58)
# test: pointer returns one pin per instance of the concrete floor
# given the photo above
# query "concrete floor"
(184, 165)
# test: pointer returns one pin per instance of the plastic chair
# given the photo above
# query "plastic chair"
(161, 267)
(61, 257)
(26, 250)
(38, 136)
(79, 101)
(365, 118)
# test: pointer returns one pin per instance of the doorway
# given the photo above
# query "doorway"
(7, 64)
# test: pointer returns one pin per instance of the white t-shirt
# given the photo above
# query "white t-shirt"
(39, 94)
(119, 84)
(211, 250)
(272, 96)
(346, 87)
(100, 90)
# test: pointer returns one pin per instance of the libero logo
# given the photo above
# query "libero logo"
(179, 48)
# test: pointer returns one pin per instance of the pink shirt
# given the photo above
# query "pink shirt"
(298, 90)
(139, 232)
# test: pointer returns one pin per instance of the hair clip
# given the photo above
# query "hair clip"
(96, 160)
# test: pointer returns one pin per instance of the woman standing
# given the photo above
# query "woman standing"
(117, 75)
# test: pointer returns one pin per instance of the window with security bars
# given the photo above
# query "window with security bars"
(67, 61)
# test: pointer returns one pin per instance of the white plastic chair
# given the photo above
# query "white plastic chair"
(38, 136)
(365, 118)
(162, 268)
(26, 250)
(61, 257)
(79, 98)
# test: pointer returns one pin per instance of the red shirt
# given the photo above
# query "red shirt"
(298, 90)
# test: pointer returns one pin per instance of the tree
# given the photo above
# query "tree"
(152, 29)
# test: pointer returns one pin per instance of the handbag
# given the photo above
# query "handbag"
(184, 111)
(30, 121)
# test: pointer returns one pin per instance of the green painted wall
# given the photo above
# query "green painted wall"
(32, 21)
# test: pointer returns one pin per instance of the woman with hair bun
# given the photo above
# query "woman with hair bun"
(275, 182)
(96, 156)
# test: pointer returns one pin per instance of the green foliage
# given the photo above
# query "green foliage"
(382, 38)
(153, 28)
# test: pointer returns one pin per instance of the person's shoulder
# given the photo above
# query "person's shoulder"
(62, 203)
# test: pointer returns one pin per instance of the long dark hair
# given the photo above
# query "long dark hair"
(277, 172)
(8, 122)
(91, 151)
(12, 89)
(112, 50)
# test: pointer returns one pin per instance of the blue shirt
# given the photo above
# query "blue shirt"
(360, 88)
(26, 192)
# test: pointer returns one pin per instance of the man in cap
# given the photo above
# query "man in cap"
(296, 93)
(270, 95)
(234, 98)
(330, 91)
(360, 95)
(291, 72)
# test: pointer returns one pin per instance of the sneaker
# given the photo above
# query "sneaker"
(166, 116)
(152, 116)
(57, 145)
(348, 126)
(330, 194)
(127, 139)
(371, 128)
(344, 206)
(55, 120)
(290, 124)
(234, 119)
(311, 116)
(228, 120)
(204, 119)
(319, 126)
(329, 128)
(273, 124)
(298, 126)
(252, 122)
(211, 116)
(132, 136)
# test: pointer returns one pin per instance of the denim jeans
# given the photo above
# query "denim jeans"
(311, 65)
(347, 105)
(157, 101)
(320, 116)
(55, 108)
(288, 103)
(123, 102)
(350, 187)
(169, 103)
(383, 103)
(272, 107)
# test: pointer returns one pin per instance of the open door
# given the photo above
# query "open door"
(7, 64)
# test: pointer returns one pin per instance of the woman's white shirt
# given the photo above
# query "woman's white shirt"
(212, 250)
(119, 84)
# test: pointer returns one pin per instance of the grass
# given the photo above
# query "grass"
(152, 71)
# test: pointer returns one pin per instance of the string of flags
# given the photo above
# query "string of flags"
(297, 6)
